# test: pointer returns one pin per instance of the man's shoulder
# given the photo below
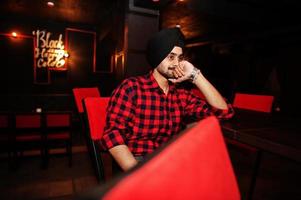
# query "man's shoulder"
(135, 81)
(131, 84)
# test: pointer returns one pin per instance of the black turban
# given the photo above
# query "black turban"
(161, 44)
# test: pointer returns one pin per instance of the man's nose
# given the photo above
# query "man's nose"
(176, 61)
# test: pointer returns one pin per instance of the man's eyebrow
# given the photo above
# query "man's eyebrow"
(174, 54)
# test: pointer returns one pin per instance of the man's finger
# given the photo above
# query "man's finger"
(177, 80)
(177, 73)
(180, 71)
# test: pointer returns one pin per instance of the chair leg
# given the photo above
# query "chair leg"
(255, 172)
(45, 156)
(14, 162)
(98, 164)
(9, 158)
(19, 156)
(10, 154)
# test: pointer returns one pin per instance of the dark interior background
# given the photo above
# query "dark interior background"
(250, 46)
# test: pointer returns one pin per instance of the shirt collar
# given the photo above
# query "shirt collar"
(153, 84)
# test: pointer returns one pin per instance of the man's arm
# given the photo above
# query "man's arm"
(213, 97)
(123, 157)
(119, 115)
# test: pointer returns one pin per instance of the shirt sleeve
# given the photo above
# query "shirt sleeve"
(119, 116)
(197, 108)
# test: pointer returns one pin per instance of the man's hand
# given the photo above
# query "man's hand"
(182, 72)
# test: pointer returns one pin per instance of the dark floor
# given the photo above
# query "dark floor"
(278, 178)
(59, 181)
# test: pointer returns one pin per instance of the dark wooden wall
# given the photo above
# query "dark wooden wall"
(235, 56)
(21, 91)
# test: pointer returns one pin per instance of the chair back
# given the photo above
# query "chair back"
(261, 103)
(57, 119)
(28, 128)
(28, 121)
(81, 93)
(95, 110)
(202, 171)
(94, 114)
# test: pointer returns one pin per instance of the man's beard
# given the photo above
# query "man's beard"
(168, 73)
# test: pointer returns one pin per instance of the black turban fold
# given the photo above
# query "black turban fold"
(161, 44)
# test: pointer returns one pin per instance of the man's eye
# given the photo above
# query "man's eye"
(171, 57)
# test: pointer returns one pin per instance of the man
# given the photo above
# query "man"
(146, 111)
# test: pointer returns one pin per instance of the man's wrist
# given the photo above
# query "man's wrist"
(194, 74)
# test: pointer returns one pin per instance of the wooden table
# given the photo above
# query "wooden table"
(280, 135)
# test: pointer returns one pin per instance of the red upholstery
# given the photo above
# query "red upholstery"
(28, 134)
(28, 127)
(195, 166)
(81, 93)
(96, 112)
(28, 121)
(58, 120)
(262, 103)
(58, 125)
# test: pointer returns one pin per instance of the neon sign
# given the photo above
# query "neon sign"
(49, 53)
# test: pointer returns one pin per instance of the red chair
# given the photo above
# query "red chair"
(81, 93)
(95, 113)
(261, 103)
(58, 128)
(28, 135)
(194, 166)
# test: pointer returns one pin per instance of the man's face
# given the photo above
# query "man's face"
(172, 60)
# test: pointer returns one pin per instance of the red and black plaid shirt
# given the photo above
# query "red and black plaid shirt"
(142, 117)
